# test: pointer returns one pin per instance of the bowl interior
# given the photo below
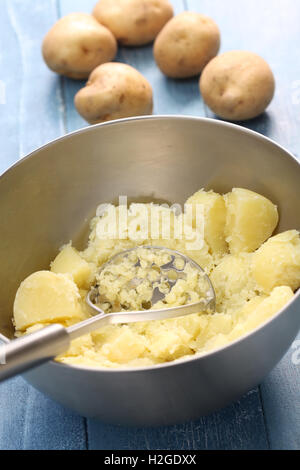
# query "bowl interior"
(48, 198)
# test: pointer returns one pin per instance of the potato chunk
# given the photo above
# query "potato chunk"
(168, 345)
(69, 261)
(266, 309)
(233, 281)
(214, 219)
(277, 262)
(260, 309)
(251, 219)
(125, 347)
(46, 297)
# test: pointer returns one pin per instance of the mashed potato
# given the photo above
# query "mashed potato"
(149, 278)
(228, 236)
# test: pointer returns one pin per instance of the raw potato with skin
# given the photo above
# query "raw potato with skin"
(134, 22)
(237, 85)
(76, 44)
(186, 44)
(114, 91)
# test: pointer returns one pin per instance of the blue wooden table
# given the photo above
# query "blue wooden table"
(37, 106)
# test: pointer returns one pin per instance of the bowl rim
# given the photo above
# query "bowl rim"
(196, 356)
(174, 117)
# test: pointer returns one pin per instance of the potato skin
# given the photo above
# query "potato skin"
(186, 44)
(114, 91)
(134, 22)
(237, 85)
(77, 44)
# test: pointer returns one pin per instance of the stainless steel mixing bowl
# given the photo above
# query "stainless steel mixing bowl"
(48, 198)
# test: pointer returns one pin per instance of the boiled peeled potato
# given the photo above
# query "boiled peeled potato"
(251, 219)
(69, 261)
(233, 275)
(260, 309)
(277, 262)
(214, 212)
(46, 297)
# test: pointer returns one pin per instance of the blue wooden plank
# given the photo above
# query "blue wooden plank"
(239, 426)
(30, 421)
(281, 402)
(270, 29)
(31, 116)
(10, 93)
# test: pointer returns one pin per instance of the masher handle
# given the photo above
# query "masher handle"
(32, 350)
